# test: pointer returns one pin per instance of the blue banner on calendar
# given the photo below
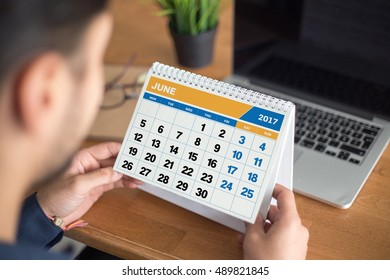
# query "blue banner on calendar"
(264, 118)
(190, 109)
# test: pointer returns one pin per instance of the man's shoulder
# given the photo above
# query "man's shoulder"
(27, 252)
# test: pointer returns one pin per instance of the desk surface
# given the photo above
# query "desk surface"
(132, 224)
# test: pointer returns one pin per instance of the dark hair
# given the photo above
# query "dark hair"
(29, 27)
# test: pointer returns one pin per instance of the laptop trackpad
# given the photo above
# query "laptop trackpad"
(297, 155)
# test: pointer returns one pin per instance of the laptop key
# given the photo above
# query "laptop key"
(320, 148)
(344, 138)
(322, 139)
(334, 143)
(311, 128)
(354, 160)
(334, 128)
(344, 123)
(356, 142)
(323, 124)
(331, 153)
(370, 131)
(357, 135)
(297, 139)
(311, 136)
(321, 131)
(353, 150)
(333, 135)
(323, 116)
(368, 139)
(355, 127)
(300, 132)
(366, 145)
(302, 117)
(343, 155)
(307, 143)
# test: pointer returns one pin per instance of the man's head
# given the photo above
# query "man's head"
(51, 54)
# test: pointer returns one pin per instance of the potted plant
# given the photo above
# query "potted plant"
(192, 24)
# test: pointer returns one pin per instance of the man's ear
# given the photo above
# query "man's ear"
(36, 91)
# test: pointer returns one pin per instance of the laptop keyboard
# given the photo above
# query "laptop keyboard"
(333, 135)
(322, 131)
(325, 83)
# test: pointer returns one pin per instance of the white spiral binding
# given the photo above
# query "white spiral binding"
(220, 87)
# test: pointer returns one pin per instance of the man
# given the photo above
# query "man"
(51, 55)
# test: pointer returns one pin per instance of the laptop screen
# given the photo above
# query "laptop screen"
(322, 50)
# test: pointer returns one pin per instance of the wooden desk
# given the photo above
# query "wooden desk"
(132, 224)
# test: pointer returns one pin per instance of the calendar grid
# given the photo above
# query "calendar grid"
(159, 172)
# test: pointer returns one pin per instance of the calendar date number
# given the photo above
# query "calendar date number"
(201, 193)
(127, 165)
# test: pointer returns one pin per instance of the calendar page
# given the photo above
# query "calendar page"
(206, 146)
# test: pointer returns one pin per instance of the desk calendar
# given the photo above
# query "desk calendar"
(211, 147)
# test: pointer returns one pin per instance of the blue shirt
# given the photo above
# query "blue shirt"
(36, 235)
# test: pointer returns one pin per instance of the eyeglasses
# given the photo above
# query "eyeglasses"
(117, 93)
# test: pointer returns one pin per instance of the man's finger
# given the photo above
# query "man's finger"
(285, 200)
(128, 182)
(240, 238)
(257, 227)
(94, 157)
(272, 212)
(107, 162)
(84, 183)
(104, 150)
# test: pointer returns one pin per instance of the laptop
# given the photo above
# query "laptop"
(332, 59)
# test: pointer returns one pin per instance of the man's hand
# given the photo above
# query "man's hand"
(89, 176)
(282, 236)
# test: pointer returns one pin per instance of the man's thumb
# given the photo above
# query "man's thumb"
(96, 178)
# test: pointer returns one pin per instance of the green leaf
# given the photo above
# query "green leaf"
(190, 17)
(165, 12)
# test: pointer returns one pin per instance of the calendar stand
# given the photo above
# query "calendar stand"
(210, 147)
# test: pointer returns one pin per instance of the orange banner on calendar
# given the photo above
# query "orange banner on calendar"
(197, 97)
